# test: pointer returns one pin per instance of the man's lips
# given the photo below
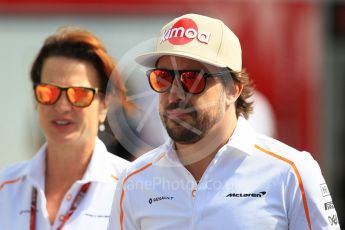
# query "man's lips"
(179, 110)
(179, 114)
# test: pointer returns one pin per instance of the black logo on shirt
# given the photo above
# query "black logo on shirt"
(329, 205)
(159, 198)
(333, 220)
(96, 216)
(324, 190)
(260, 194)
(25, 211)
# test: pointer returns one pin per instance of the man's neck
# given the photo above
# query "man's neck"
(197, 156)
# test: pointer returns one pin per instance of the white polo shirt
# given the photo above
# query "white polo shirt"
(17, 181)
(254, 182)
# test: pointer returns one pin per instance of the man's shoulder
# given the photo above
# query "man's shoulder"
(281, 151)
(146, 160)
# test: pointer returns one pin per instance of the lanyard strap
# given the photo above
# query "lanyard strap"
(33, 209)
(79, 197)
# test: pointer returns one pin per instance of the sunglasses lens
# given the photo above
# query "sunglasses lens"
(79, 96)
(193, 81)
(160, 80)
(47, 94)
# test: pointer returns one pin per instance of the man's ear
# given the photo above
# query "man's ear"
(233, 93)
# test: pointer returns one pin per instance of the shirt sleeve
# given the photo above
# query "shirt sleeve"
(121, 217)
(309, 201)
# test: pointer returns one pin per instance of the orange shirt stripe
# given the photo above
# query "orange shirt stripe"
(123, 191)
(2, 185)
(300, 183)
(115, 177)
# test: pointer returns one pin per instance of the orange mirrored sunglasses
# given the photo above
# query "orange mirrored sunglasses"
(47, 94)
(192, 81)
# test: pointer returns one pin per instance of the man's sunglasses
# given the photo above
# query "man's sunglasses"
(78, 96)
(192, 81)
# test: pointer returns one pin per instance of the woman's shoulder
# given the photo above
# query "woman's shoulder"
(13, 169)
(115, 164)
(118, 161)
(13, 173)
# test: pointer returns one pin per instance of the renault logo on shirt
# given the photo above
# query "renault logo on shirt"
(260, 194)
(159, 198)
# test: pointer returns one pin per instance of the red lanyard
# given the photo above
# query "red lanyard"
(69, 213)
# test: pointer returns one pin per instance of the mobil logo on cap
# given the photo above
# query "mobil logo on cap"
(184, 31)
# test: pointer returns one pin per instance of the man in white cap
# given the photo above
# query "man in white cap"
(216, 172)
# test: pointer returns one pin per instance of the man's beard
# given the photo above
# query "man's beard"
(199, 122)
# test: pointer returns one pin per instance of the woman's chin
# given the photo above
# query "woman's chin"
(63, 139)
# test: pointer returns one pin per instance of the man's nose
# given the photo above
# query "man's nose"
(176, 91)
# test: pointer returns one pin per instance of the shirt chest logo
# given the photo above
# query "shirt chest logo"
(246, 195)
(160, 198)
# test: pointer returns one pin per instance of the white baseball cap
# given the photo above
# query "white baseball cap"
(197, 37)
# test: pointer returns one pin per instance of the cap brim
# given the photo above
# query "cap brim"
(150, 59)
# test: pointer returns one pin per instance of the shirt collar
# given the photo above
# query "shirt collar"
(171, 152)
(98, 170)
(242, 139)
(36, 169)
(167, 151)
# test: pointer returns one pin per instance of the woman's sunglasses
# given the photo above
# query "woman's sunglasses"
(192, 81)
(78, 96)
